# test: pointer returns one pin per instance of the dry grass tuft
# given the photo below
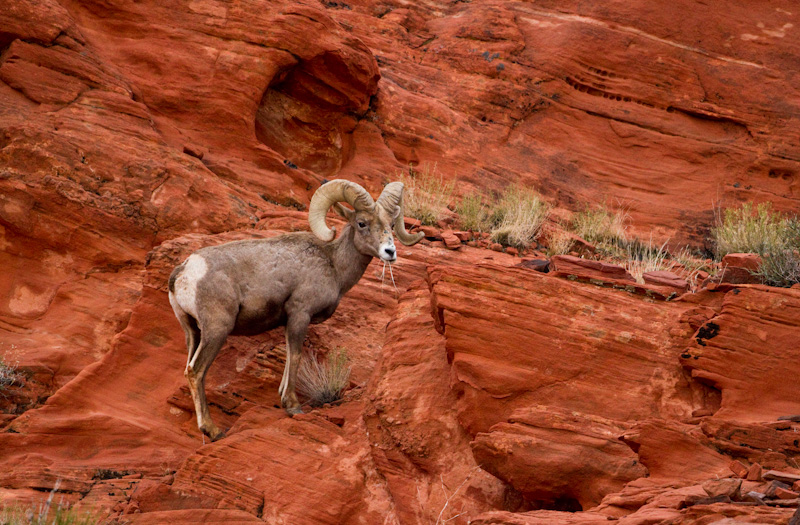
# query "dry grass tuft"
(427, 194)
(773, 236)
(751, 230)
(473, 213)
(692, 266)
(559, 242)
(642, 258)
(8, 375)
(324, 382)
(780, 268)
(518, 217)
(606, 230)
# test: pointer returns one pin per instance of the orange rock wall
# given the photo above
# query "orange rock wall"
(132, 133)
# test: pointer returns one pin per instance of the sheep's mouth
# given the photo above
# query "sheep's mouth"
(387, 259)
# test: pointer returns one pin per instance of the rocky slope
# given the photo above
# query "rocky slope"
(134, 133)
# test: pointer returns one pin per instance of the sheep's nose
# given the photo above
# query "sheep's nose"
(390, 251)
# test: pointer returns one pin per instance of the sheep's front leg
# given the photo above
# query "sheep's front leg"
(296, 329)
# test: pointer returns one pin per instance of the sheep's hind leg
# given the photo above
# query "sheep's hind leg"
(192, 338)
(296, 329)
(190, 329)
(211, 342)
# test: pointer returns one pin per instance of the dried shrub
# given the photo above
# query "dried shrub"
(427, 194)
(751, 229)
(559, 242)
(606, 230)
(8, 375)
(518, 216)
(473, 213)
(642, 258)
(773, 236)
(324, 381)
(780, 268)
(692, 266)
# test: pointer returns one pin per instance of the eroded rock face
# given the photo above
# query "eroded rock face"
(567, 459)
(132, 134)
(738, 357)
(100, 137)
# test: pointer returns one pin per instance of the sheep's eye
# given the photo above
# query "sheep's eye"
(362, 224)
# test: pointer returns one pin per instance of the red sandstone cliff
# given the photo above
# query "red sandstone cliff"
(132, 133)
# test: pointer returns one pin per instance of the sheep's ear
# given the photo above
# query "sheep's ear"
(344, 212)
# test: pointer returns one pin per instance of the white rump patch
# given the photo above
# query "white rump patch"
(194, 269)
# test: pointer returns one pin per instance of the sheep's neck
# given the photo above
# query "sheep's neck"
(349, 263)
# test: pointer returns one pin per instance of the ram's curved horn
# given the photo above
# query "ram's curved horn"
(330, 193)
(391, 200)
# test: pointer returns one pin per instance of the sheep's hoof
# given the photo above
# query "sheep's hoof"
(214, 433)
(293, 411)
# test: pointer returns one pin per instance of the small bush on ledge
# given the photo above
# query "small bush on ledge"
(759, 230)
(750, 230)
(324, 382)
(645, 257)
(518, 217)
(473, 213)
(8, 375)
(427, 194)
(603, 228)
(781, 268)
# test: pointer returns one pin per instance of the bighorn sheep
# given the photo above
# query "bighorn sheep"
(249, 287)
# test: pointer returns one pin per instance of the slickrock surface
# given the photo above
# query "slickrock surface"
(132, 133)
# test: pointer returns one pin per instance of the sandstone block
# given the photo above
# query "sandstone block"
(738, 469)
(738, 268)
(666, 278)
(782, 493)
(754, 473)
(540, 265)
(589, 267)
(411, 223)
(431, 232)
(451, 241)
(729, 487)
(748, 261)
(785, 477)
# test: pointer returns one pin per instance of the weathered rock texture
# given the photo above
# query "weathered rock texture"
(132, 133)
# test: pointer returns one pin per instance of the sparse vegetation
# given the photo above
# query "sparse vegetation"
(473, 213)
(559, 242)
(780, 268)
(46, 514)
(692, 266)
(752, 230)
(447, 513)
(603, 228)
(427, 194)
(518, 217)
(324, 381)
(8, 375)
(645, 257)
(773, 236)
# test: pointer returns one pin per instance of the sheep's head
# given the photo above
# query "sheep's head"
(372, 221)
